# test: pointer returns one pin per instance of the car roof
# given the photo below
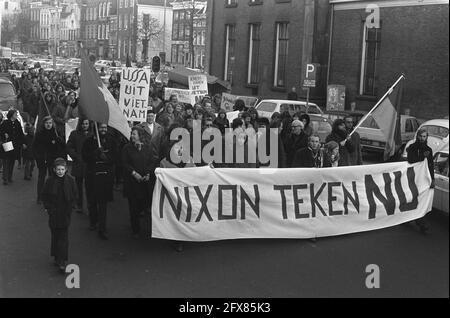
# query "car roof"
(437, 122)
(5, 81)
(283, 101)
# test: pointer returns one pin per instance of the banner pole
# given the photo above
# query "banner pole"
(377, 104)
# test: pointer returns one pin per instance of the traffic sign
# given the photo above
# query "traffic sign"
(310, 75)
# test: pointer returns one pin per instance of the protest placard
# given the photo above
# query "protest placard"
(134, 91)
(292, 203)
(198, 84)
(183, 95)
(228, 101)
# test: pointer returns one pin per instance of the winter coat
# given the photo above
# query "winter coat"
(15, 134)
(74, 148)
(140, 162)
(344, 151)
(418, 152)
(59, 197)
(100, 166)
(47, 147)
(304, 158)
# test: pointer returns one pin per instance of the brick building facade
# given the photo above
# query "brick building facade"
(262, 46)
(412, 39)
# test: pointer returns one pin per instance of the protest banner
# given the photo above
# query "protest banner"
(205, 204)
(228, 101)
(183, 95)
(198, 85)
(18, 74)
(134, 90)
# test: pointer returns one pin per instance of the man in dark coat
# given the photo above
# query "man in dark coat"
(47, 147)
(59, 194)
(417, 152)
(295, 141)
(11, 131)
(74, 147)
(99, 178)
(356, 155)
(339, 134)
(311, 156)
(151, 129)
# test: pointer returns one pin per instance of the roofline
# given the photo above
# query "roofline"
(362, 4)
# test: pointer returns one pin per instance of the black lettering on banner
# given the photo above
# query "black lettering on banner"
(354, 199)
(283, 188)
(177, 209)
(315, 201)
(411, 175)
(372, 189)
(332, 198)
(189, 204)
(233, 215)
(254, 205)
(203, 201)
(298, 201)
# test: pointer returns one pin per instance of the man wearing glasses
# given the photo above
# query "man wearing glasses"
(295, 141)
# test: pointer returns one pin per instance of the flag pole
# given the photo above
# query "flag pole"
(402, 77)
(97, 134)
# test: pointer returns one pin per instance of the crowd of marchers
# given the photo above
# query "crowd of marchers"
(95, 161)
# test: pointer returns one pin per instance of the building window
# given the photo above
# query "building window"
(370, 55)
(253, 54)
(230, 43)
(231, 3)
(281, 54)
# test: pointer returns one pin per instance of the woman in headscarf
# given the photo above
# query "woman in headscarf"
(138, 177)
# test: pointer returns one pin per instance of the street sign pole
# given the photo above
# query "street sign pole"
(307, 97)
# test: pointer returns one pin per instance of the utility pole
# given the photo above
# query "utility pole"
(164, 27)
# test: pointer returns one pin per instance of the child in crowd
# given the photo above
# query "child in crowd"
(59, 197)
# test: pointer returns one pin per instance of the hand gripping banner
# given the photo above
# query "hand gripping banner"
(205, 204)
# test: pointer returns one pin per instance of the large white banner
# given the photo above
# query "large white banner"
(204, 204)
(134, 90)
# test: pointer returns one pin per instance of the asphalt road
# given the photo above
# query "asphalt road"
(411, 265)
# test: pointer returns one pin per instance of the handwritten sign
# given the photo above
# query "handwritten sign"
(134, 91)
(183, 95)
(228, 101)
(198, 84)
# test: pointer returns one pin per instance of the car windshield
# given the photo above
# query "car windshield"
(321, 126)
(436, 131)
(267, 107)
(6, 90)
(441, 164)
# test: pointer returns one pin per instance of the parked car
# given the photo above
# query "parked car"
(437, 135)
(373, 140)
(440, 201)
(267, 107)
(321, 126)
(357, 115)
